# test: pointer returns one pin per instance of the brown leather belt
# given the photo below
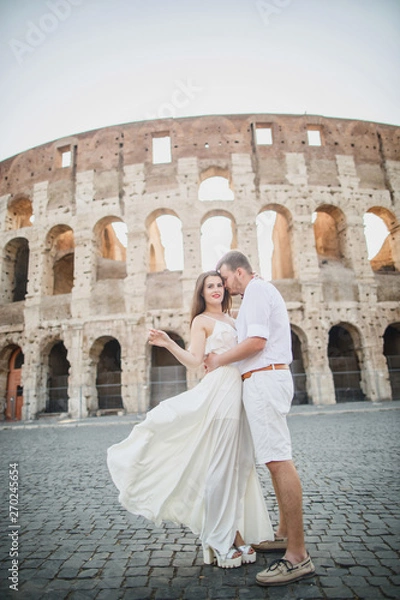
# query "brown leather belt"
(269, 368)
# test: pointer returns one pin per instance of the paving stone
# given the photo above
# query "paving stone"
(165, 594)
(135, 581)
(195, 593)
(339, 593)
(109, 583)
(390, 591)
(143, 593)
(109, 595)
(83, 595)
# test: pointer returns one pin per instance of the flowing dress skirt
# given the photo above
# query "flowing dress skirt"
(191, 462)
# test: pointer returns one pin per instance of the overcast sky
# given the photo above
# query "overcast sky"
(69, 66)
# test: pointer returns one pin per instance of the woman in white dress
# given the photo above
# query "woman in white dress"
(191, 460)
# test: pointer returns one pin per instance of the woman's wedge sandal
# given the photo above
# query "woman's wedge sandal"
(224, 561)
(248, 554)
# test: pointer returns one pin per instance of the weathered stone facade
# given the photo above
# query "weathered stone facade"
(69, 288)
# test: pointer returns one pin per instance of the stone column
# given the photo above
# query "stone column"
(304, 253)
(31, 380)
(73, 339)
(247, 241)
(188, 180)
(320, 384)
(137, 240)
(356, 253)
(134, 377)
(305, 259)
(136, 268)
(38, 283)
(84, 272)
(3, 210)
(375, 380)
(192, 261)
(245, 208)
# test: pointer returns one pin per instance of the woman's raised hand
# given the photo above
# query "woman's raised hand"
(159, 338)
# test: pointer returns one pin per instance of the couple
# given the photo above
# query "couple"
(192, 460)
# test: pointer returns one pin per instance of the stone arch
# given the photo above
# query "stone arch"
(14, 280)
(11, 363)
(19, 213)
(167, 374)
(218, 235)
(110, 243)
(59, 261)
(299, 364)
(387, 258)
(165, 241)
(329, 233)
(345, 361)
(105, 357)
(391, 351)
(57, 379)
(274, 237)
(215, 184)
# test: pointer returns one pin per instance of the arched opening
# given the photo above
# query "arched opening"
(344, 364)
(215, 188)
(59, 276)
(108, 379)
(381, 230)
(19, 213)
(111, 242)
(165, 243)
(329, 231)
(63, 271)
(274, 243)
(298, 371)
(218, 236)
(167, 376)
(15, 273)
(391, 350)
(14, 394)
(57, 382)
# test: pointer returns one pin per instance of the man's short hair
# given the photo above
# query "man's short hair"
(233, 260)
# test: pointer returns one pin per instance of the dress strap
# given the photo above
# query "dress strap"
(212, 318)
(219, 321)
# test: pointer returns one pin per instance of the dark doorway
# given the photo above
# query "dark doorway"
(391, 350)
(344, 365)
(57, 383)
(108, 381)
(298, 372)
(168, 376)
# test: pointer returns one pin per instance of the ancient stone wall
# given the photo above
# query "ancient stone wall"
(78, 302)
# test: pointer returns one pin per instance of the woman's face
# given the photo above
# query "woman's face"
(213, 290)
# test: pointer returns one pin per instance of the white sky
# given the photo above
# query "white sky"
(68, 66)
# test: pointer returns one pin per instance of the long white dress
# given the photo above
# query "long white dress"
(191, 461)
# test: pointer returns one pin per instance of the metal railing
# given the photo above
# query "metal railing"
(143, 396)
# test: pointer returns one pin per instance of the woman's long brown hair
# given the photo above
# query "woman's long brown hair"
(198, 302)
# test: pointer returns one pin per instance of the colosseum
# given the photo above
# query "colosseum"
(84, 269)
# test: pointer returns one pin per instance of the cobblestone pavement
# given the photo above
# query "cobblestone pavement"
(74, 541)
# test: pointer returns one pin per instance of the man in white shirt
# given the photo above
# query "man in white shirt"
(263, 355)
